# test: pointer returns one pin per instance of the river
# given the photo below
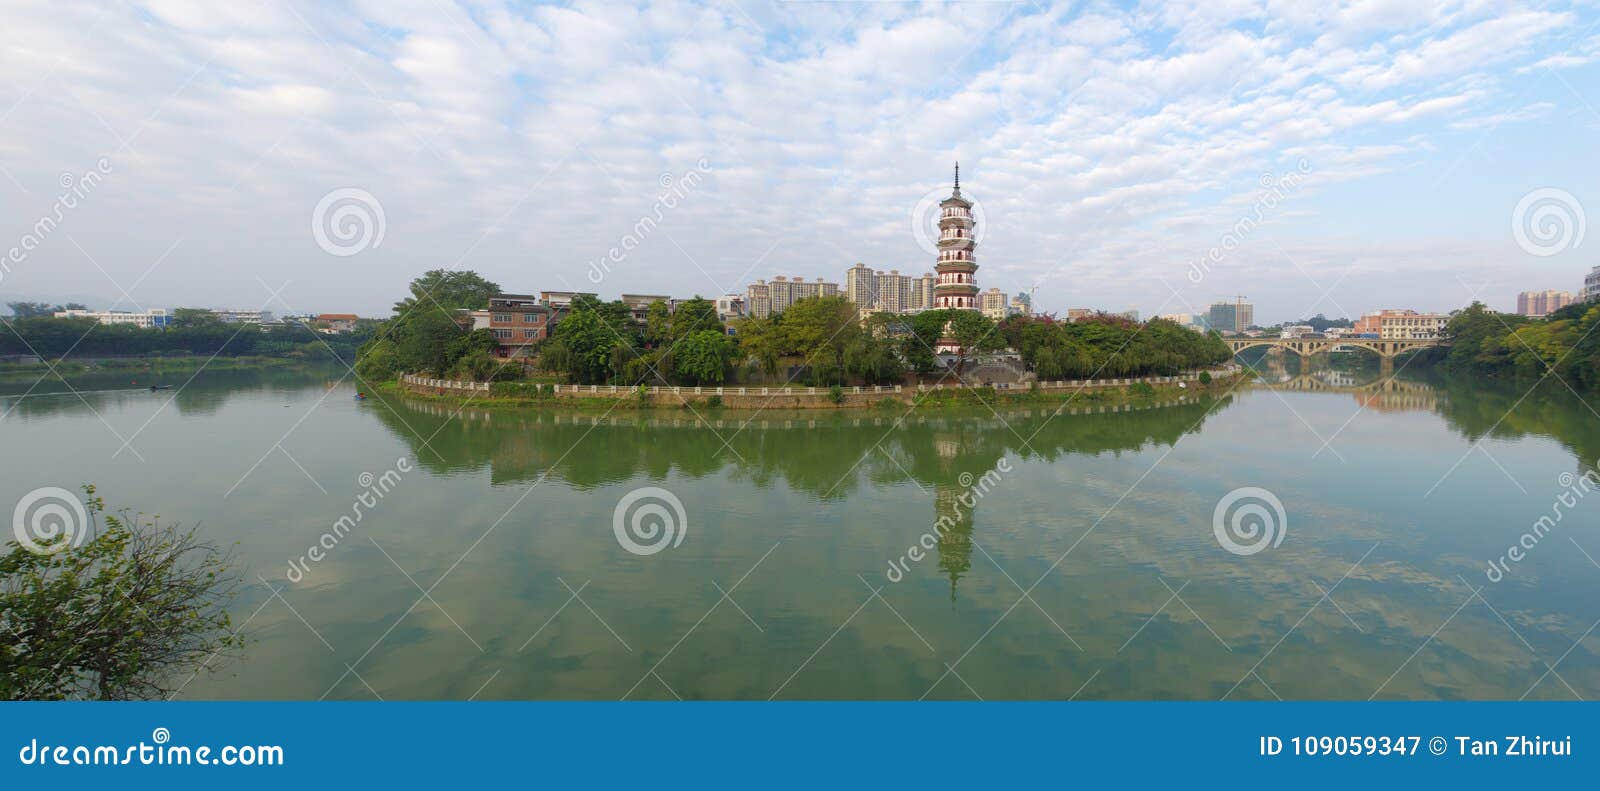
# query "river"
(1078, 557)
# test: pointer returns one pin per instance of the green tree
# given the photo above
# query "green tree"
(447, 290)
(761, 340)
(586, 347)
(658, 324)
(34, 310)
(695, 315)
(192, 317)
(418, 337)
(873, 359)
(130, 614)
(422, 342)
(471, 356)
(927, 328)
(703, 357)
(819, 329)
(974, 332)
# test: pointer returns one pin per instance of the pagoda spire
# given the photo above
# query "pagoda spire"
(957, 263)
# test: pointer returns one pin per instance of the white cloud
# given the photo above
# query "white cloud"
(1109, 145)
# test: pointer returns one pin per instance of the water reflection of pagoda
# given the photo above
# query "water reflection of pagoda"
(955, 543)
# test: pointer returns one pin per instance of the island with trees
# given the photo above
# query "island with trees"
(818, 342)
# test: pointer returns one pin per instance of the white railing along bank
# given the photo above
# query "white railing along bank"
(1065, 384)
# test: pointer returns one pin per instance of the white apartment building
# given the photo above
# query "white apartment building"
(888, 292)
(228, 316)
(155, 317)
(1591, 285)
(861, 285)
(994, 303)
(1399, 325)
(765, 299)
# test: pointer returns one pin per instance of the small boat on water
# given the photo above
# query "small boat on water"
(361, 396)
(154, 388)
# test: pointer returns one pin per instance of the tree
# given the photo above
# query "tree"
(917, 348)
(131, 613)
(192, 317)
(583, 344)
(694, 315)
(422, 341)
(1106, 345)
(658, 324)
(818, 329)
(615, 314)
(761, 339)
(703, 357)
(30, 310)
(471, 356)
(873, 360)
(418, 337)
(442, 288)
(973, 332)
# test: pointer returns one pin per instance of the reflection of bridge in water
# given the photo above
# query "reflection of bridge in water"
(1385, 394)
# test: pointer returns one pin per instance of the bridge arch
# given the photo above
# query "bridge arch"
(1386, 349)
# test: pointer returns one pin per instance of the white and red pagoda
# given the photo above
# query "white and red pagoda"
(957, 286)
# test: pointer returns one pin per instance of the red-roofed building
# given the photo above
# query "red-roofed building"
(337, 322)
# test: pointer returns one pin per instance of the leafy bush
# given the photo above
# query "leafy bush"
(1205, 377)
(131, 613)
(836, 394)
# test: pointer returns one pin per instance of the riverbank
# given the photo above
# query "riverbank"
(157, 365)
(1094, 395)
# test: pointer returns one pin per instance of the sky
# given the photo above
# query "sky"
(1312, 157)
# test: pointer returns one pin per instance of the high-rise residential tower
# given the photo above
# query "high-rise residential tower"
(1540, 303)
(860, 286)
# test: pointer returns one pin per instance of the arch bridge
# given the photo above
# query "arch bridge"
(1306, 347)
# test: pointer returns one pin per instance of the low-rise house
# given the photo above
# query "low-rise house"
(518, 321)
(336, 323)
(730, 307)
(639, 304)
